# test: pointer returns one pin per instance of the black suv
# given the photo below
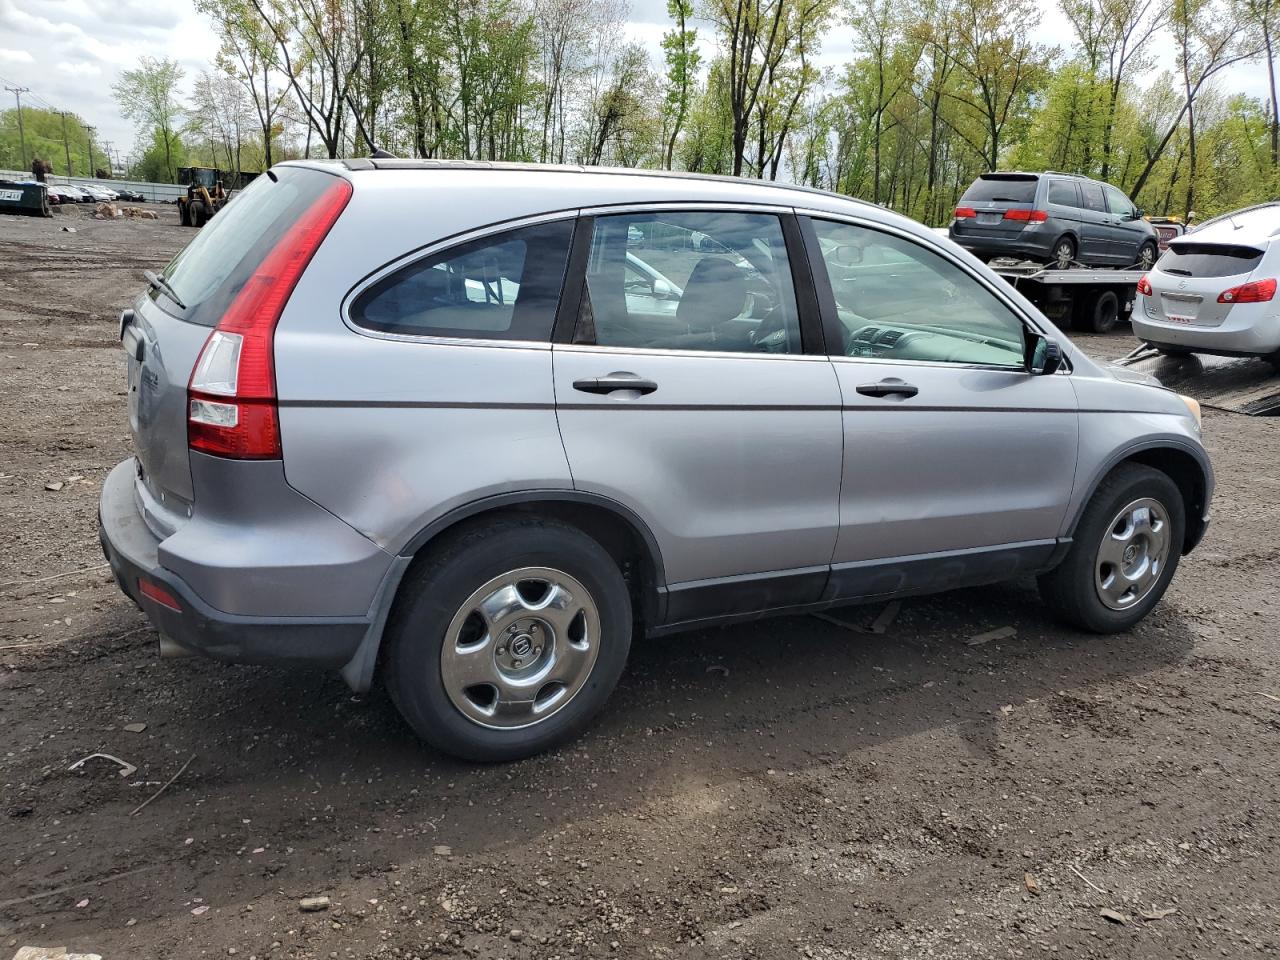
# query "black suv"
(1055, 218)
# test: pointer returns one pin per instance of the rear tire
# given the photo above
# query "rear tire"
(198, 214)
(1104, 311)
(184, 214)
(457, 674)
(1076, 588)
(1064, 253)
(1147, 255)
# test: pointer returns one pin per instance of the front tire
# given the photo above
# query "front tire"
(1147, 254)
(508, 639)
(1125, 552)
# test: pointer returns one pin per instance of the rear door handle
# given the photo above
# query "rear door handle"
(888, 387)
(615, 381)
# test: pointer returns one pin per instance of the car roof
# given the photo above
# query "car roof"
(1252, 226)
(586, 186)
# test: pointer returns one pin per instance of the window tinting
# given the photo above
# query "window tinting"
(689, 281)
(1091, 194)
(1063, 193)
(897, 300)
(501, 287)
(1208, 260)
(1002, 189)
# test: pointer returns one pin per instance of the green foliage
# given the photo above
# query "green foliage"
(43, 131)
(162, 158)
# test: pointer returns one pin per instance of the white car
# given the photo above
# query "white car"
(1214, 290)
(100, 194)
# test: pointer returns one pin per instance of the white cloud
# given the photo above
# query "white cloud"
(15, 56)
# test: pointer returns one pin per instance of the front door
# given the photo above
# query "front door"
(958, 463)
(687, 395)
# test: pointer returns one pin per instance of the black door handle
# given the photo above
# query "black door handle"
(615, 381)
(890, 386)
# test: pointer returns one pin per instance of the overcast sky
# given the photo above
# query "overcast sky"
(69, 52)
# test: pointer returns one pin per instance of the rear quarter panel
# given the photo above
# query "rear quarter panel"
(390, 434)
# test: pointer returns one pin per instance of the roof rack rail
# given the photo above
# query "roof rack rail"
(377, 163)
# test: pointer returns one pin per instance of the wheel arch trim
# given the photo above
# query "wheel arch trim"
(1134, 452)
(359, 670)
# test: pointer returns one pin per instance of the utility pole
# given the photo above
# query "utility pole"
(65, 146)
(111, 167)
(22, 137)
(90, 131)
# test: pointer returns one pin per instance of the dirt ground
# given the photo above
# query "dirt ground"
(788, 788)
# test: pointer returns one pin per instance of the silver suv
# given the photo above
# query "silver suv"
(472, 427)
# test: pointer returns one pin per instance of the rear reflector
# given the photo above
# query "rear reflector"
(1259, 291)
(232, 393)
(153, 591)
(1032, 216)
(965, 213)
(1144, 286)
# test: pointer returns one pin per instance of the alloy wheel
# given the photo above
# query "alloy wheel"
(520, 648)
(1132, 555)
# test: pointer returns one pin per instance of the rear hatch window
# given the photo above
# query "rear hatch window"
(1190, 259)
(209, 272)
(1002, 188)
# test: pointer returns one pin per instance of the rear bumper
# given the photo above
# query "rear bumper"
(197, 627)
(1029, 246)
(1231, 339)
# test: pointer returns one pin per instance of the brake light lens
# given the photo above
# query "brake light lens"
(965, 213)
(1259, 291)
(1144, 286)
(231, 397)
(1032, 216)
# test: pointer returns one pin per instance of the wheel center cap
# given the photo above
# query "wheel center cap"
(521, 645)
(1130, 553)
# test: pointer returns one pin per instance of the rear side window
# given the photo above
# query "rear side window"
(999, 188)
(212, 268)
(1208, 260)
(1091, 194)
(1063, 193)
(505, 286)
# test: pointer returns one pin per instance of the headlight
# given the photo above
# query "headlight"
(1192, 405)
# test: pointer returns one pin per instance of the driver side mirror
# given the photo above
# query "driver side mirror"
(664, 289)
(1044, 356)
(847, 255)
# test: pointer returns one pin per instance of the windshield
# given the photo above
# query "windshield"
(212, 268)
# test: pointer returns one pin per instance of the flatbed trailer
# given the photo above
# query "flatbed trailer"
(1094, 298)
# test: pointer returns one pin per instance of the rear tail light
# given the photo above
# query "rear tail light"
(1032, 216)
(153, 591)
(1259, 291)
(1144, 286)
(231, 399)
(965, 213)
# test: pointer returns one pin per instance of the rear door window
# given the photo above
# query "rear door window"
(1002, 189)
(1091, 194)
(211, 269)
(1209, 260)
(505, 286)
(1063, 193)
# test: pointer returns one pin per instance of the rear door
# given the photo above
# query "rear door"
(958, 463)
(717, 422)
(171, 322)
(991, 197)
(1063, 203)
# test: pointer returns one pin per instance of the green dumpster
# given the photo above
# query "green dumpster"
(24, 197)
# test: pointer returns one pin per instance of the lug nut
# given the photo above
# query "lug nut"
(501, 651)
